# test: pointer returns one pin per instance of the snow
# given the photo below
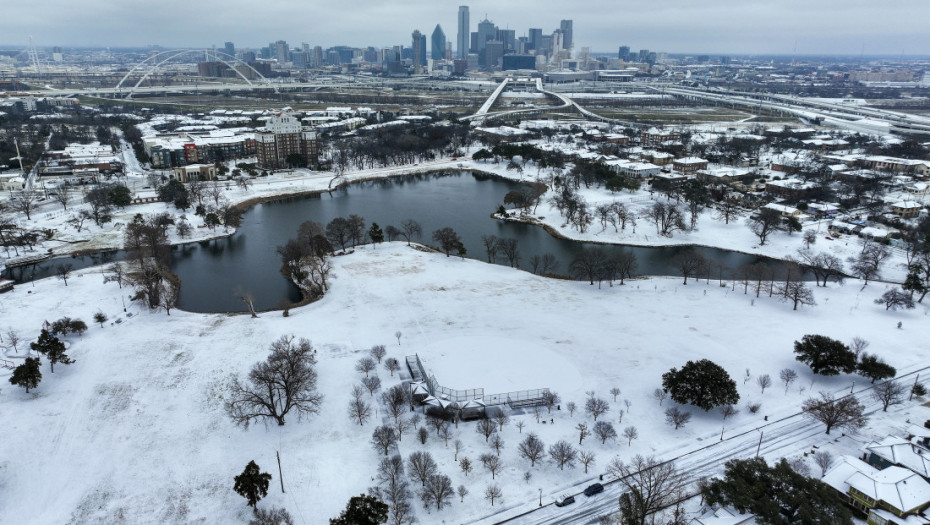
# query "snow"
(134, 430)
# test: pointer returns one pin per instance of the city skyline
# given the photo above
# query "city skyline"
(714, 26)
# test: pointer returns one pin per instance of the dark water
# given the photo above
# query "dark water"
(215, 273)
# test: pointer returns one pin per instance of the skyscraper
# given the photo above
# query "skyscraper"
(418, 45)
(535, 39)
(567, 41)
(439, 43)
(464, 30)
(624, 53)
(230, 50)
(282, 51)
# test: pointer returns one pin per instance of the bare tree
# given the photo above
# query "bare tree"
(392, 365)
(595, 406)
(501, 419)
(410, 229)
(462, 492)
(438, 489)
(532, 448)
(371, 384)
(24, 202)
(798, 293)
(445, 432)
(422, 465)
(13, 337)
(486, 427)
(359, 410)
(679, 418)
(630, 433)
(401, 425)
(615, 392)
(466, 466)
(520, 424)
(365, 365)
(63, 271)
(563, 454)
(491, 245)
(858, 345)
(509, 248)
(689, 262)
(383, 438)
(492, 493)
(396, 400)
(63, 197)
(869, 262)
(788, 376)
(764, 381)
(550, 399)
(397, 334)
(889, 393)
(586, 457)
(649, 486)
(435, 422)
(583, 432)
(458, 448)
(824, 460)
(726, 412)
(492, 463)
(571, 406)
(497, 443)
(285, 381)
(604, 430)
(423, 435)
(378, 352)
(660, 395)
(667, 218)
(845, 412)
(809, 237)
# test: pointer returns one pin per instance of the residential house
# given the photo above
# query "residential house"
(790, 188)
(906, 209)
(886, 495)
(896, 451)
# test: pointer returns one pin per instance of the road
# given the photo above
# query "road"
(789, 436)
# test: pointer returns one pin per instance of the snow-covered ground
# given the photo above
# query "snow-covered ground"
(134, 431)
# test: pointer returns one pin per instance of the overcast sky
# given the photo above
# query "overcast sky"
(676, 26)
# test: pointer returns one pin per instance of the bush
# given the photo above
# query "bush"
(919, 390)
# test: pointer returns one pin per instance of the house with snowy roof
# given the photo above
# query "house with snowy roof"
(906, 209)
(893, 450)
(888, 496)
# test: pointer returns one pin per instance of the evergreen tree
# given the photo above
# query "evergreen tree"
(874, 368)
(362, 510)
(49, 346)
(776, 494)
(28, 374)
(252, 484)
(375, 233)
(703, 384)
(824, 355)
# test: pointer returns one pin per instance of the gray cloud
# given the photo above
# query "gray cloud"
(709, 26)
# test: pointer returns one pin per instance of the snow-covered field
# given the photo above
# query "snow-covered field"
(134, 431)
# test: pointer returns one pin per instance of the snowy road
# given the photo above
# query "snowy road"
(789, 436)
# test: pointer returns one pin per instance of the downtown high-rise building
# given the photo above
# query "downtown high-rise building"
(464, 32)
(566, 28)
(419, 51)
(535, 39)
(438, 50)
(230, 50)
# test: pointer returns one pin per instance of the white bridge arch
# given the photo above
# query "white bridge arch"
(152, 65)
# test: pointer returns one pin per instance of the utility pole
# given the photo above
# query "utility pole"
(913, 387)
(758, 448)
(280, 475)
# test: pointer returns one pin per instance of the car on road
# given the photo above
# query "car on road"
(564, 500)
(597, 488)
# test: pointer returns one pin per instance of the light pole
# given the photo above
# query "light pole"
(758, 448)
(540, 497)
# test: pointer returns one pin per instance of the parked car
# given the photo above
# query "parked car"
(564, 500)
(597, 488)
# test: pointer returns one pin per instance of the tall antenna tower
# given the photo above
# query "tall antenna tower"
(34, 55)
